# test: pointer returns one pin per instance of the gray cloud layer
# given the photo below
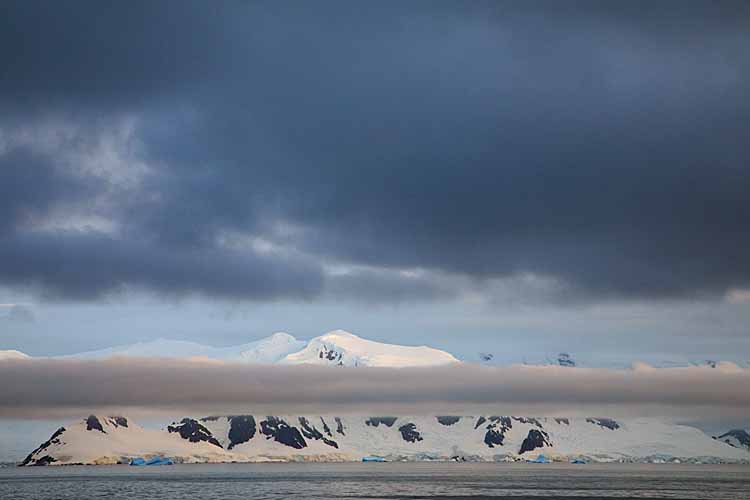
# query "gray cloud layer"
(602, 147)
(44, 388)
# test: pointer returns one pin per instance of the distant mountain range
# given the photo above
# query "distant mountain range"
(336, 348)
(116, 439)
(256, 438)
(342, 348)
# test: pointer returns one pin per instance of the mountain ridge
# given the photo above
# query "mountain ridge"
(340, 347)
(257, 438)
(337, 347)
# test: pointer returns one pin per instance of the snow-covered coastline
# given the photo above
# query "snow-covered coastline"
(98, 440)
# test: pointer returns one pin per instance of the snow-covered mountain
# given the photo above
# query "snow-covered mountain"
(609, 361)
(105, 440)
(12, 354)
(265, 351)
(338, 347)
(342, 348)
(739, 438)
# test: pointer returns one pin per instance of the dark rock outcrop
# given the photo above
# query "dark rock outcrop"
(45, 460)
(480, 421)
(241, 429)
(496, 429)
(606, 423)
(448, 420)
(92, 423)
(339, 426)
(535, 439)
(326, 429)
(562, 421)
(376, 421)
(193, 431)
(493, 438)
(331, 355)
(120, 421)
(503, 421)
(410, 433)
(277, 429)
(310, 432)
(54, 439)
(736, 438)
(528, 420)
(564, 359)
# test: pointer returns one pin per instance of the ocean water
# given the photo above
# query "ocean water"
(378, 481)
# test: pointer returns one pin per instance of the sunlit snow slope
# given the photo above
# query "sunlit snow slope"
(12, 354)
(97, 439)
(264, 351)
(334, 348)
(340, 347)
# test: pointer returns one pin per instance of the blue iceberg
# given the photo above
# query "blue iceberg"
(373, 459)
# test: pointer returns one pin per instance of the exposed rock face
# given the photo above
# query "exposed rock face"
(447, 420)
(606, 423)
(562, 421)
(330, 355)
(120, 421)
(193, 431)
(339, 426)
(409, 433)
(496, 429)
(241, 430)
(528, 420)
(45, 460)
(326, 429)
(280, 431)
(310, 432)
(376, 421)
(535, 439)
(738, 438)
(564, 359)
(92, 423)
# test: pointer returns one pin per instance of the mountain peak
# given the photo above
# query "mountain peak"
(336, 347)
(12, 354)
(340, 334)
(342, 348)
(280, 337)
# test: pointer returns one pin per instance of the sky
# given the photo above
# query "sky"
(520, 178)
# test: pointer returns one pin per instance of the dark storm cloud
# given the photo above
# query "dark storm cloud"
(385, 286)
(31, 184)
(86, 265)
(600, 145)
(43, 387)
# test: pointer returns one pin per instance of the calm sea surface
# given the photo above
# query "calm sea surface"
(377, 481)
